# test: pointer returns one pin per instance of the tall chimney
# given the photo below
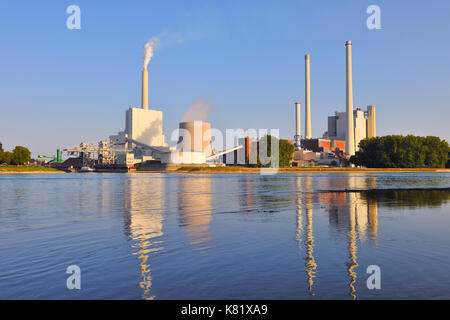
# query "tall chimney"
(371, 122)
(350, 135)
(144, 88)
(307, 100)
(297, 139)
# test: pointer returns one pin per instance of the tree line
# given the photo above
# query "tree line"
(396, 151)
(18, 156)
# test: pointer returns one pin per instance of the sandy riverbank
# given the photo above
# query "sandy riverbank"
(27, 170)
(233, 169)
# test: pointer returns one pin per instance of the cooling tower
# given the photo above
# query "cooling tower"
(350, 134)
(307, 99)
(195, 136)
(144, 88)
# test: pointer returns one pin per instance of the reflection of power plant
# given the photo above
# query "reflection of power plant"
(144, 204)
(351, 213)
(306, 200)
(195, 207)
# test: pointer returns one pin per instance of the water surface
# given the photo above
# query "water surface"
(225, 236)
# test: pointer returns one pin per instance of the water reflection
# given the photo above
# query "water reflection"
(353, 213)
(350, 213)
(144, 208)
(195, 209)
(416, 198)
(306, 200)
(136, 235)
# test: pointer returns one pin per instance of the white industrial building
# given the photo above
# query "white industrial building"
(364, 125)
(143, 138)
(143, 128)
(142, 125)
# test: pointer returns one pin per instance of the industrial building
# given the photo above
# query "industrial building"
(345, 129)
(141, 145)
(364, 126)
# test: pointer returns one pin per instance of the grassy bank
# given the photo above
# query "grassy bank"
(27, 169)
(238, 169)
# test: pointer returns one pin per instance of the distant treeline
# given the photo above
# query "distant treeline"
(414, 198)
(20, 155)
(397, 151)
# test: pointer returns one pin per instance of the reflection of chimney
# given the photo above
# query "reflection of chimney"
(349, 138)
(307, 100)
(297, 125)
(144, 88)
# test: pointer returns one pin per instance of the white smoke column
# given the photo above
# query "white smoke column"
(149, 47)
(199, 110)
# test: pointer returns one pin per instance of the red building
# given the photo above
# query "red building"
(323, 145)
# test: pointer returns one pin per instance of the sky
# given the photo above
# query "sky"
(59, 87)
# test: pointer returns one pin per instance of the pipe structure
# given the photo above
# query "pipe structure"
(297, 137)
(350, 134)
(145, 89)
(307, 99)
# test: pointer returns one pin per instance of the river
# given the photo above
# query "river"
(225, 236)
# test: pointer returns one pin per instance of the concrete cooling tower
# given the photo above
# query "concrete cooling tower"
(194, 144)
(195, 136)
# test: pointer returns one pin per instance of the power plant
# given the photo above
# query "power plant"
(142, 146)
(345, 129)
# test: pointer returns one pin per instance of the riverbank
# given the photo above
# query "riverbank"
(27, 169)
(232, 169)
(238, 169)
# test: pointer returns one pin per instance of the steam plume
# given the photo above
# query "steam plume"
(199, 110)
(149, 47)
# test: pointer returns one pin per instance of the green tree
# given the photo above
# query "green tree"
(447, 165)
(6, 157)
(1, 153)
(397, 151)
(285, 153)
(21, 155)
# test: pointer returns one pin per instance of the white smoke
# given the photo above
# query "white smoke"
(149, 47)
(199, 110)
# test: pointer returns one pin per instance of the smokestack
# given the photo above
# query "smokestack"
(371, 122)
(297, 139)
(307, 100)
(350, 136)
(149, 47)
(144, 88)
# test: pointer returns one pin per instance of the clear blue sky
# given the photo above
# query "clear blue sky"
(59, 87)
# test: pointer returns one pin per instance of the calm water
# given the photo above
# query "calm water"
(169, 236)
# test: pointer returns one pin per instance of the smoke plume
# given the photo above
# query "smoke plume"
(199, 110)
(149, 47)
